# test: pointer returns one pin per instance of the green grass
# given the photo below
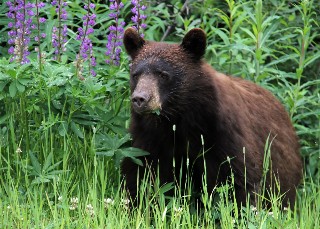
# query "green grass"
(62, 139)
(88, 197)
(63, 194)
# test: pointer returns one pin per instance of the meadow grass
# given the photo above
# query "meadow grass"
(62, 138)
(87, 197)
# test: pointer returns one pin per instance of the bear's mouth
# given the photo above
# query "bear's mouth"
(140, 110)
(146, 109)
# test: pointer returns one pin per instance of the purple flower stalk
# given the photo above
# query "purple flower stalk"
(40, 20)
(38, 37)
(86, 52)
(115, 34)
(138, 16)
(21, 12)
(59, 33)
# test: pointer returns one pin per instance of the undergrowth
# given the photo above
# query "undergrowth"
(62, 137)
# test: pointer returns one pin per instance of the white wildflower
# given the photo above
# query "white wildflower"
(254, 208)
(270, 213)
(178, 211)
(74, 203)
(125, 203)
(107, 202)
(90, 210)
(18, 150)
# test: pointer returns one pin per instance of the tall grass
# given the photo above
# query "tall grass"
(74, 199)
(62, 138)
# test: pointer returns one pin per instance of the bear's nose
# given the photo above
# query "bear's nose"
(140, 99)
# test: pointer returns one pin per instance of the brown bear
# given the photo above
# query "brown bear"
(184, 110)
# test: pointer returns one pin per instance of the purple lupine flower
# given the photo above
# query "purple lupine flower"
(86, 52)
(59, 33)
(40, 20)
(22, 13)
(138, 16)
(115, 34)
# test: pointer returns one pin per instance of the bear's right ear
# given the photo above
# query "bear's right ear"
(132, 41)
(195, 42)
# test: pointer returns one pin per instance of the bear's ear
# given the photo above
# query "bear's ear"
(132, 41)
(194, 42)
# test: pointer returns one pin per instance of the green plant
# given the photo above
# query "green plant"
(62, 138)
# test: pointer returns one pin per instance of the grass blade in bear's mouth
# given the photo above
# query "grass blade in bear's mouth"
(157, 112)
(146, 110)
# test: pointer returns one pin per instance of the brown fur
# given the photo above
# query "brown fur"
(231, 114)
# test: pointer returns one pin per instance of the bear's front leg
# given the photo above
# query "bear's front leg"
(131, 173)
(155, 174)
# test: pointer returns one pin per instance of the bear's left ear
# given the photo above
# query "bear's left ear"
(133, 42)
(194, 42)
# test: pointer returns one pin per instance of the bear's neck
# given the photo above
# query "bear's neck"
(179, 135)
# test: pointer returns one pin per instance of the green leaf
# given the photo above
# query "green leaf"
(247, 31)
(64, 59)
(40, 180)
(111, 142)
(4, 76)
(4, 118)
(267, 33)
(282, 59)
(57, 82)
(24, 81)
(242, 47)
(12, 73)
(311, 59)
(13, 89)
(35, 163)
(222, 35)
(167, 187)
(50, 168)
(109, 153)
(133, 153)
(19, 86)
(84, 119)
(63, 128)
(47, 162)
(123, 140)
(57, 104)
(76, 129)
(3, 84)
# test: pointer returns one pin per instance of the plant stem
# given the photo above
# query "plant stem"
(78, 65)
(39, 48)
(59, 32)
(231, 7)
(25, 122)
(22, 45)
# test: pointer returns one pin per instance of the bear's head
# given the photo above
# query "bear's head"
(160, 72)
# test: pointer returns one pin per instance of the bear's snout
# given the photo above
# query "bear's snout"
(145, 97)
(139, 101)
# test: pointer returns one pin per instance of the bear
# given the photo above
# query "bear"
(182, 109)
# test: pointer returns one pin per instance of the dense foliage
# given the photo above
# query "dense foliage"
(64, 106)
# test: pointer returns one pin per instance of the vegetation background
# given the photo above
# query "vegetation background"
(63, 131)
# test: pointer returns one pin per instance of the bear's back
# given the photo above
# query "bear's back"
(263, 121)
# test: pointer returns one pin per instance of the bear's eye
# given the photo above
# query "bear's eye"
(134, 76)
(163, 74)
